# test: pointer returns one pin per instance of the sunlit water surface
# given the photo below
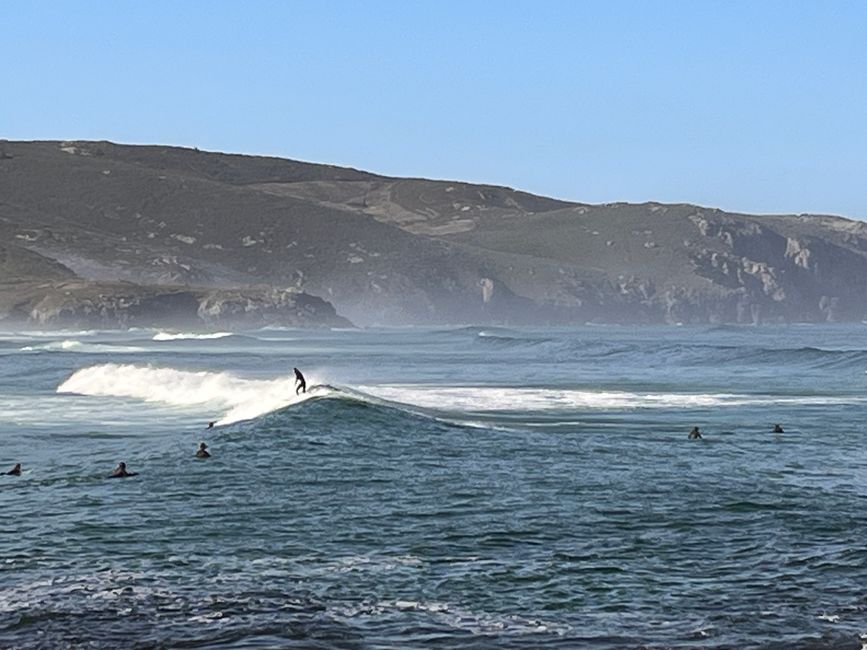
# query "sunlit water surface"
(460, 488)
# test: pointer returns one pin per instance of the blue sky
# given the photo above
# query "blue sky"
(750, 106)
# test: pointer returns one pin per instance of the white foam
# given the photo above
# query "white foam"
(237, 398)
(39, 334)
(59, 333)
(488, 398)
(180, 336)
(72, 345)
(455, 616)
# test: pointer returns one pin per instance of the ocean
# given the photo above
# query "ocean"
(472, 487)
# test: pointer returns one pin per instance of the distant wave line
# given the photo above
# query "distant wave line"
(180, 336)
(72, 345)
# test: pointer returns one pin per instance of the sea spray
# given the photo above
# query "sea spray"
(236, 398)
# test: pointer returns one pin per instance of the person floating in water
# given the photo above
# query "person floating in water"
(695, 434)
(300, 382)
(202, 451)
(778, 429)
(120, 471)
(15, 471)
(210, 425)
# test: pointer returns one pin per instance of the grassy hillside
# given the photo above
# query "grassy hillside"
(388, 250)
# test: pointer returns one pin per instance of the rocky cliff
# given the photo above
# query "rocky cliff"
(239, 237)
(84, 304)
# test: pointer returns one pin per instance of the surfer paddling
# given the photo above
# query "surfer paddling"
(15, 471)
(120, 471)
(300, 382)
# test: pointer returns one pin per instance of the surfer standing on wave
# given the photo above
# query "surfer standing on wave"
(300, 382)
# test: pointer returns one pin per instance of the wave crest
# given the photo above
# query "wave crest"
(71, 345)
(183, 336)
(237, 398)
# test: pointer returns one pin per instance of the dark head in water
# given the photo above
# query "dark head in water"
(210, 425)
(120, 471)
(15, 471)
(778, 429)
(202, 451)
(300, 382)
(695, 434)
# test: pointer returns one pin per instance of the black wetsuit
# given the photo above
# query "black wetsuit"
(120, 472)
(695, 434)
(300, 383)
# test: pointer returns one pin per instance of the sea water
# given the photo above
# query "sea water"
(448, 487)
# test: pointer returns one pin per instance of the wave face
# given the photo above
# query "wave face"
(464, 488)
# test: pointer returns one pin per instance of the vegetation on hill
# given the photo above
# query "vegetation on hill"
(121, 220)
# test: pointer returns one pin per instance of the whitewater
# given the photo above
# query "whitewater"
(232, 398)
(477, 486)
(235, 399)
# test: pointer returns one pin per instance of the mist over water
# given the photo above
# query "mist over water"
(455, 487)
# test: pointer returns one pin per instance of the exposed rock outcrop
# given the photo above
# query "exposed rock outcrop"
(102, 305)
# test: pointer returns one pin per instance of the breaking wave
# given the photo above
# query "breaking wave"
(240, 399)
(182, 336)
(237, 398)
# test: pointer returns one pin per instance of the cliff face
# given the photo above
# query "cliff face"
(783, 277)
(81, 304)
(392, 251)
